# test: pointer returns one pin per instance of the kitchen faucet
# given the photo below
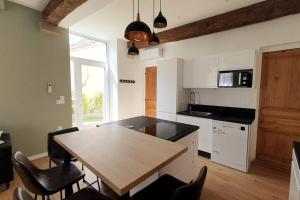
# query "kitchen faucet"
(192, 100)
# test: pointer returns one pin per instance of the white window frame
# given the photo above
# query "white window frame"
(78, 62)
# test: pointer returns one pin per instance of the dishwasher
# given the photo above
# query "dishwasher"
(230, 145)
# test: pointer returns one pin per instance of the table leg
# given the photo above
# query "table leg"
(7, 185)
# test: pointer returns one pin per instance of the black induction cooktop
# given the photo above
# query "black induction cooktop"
(164, 130)
(167, 130)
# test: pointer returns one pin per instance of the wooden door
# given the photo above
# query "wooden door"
(150, 100)
(279, 113)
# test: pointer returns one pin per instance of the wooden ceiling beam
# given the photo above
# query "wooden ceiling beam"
(57, 10)
(256, 13)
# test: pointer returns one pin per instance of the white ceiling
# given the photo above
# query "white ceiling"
(34, 4)
(86, 9)
(107, 19)
(111, 21)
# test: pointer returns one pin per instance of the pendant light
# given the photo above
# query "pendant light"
(160, 21)
(137, 30)
(133, 50)
(154, 39)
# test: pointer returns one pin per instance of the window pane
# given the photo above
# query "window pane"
(81, 47)
(92, 94)
(73, 94)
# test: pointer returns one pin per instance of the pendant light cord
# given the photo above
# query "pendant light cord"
(132, 10)
(160, 5)
(138, 6)
(153, 15)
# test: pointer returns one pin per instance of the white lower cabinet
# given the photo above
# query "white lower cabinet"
(185, 167)
(294, 193)
(204, 132)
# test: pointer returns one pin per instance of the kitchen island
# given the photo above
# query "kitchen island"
(183, 168)
(127, 160)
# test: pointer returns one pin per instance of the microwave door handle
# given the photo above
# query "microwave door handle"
(240, 78)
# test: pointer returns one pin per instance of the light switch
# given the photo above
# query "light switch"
(59, 101)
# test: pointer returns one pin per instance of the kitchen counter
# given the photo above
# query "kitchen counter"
(227, 114)
(167, 130)
(297, 150)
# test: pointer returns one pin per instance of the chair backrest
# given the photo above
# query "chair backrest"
(28, 173)
(20, 194)
(54, 149)
(192, 191)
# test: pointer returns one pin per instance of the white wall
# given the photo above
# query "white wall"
(130, 96)
(283, 31)
(280, 31)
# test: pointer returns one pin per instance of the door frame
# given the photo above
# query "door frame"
(77, 63)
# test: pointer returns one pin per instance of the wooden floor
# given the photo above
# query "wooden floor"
(222, 183)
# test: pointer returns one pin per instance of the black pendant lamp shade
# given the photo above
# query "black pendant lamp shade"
(137, 30)
(160, 21)
(154, 39)
(133, 50)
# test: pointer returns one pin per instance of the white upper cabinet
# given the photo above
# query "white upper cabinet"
(201, 73)
(245, 59)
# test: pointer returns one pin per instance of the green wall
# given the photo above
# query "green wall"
(28, 60)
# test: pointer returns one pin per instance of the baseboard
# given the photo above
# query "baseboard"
(38, 156)
(204, 154)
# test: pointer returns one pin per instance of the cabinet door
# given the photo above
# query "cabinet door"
(238, 60)
(205, 135)
(201, 73)
(167, 86)
(204, 132)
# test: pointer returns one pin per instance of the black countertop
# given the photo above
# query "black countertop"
(167, 130)
(297, 151)
(227, 114)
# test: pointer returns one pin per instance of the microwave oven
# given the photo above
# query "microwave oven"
(235, 79)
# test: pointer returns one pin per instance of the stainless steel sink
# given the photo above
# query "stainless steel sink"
(201, 113)
(198, 113)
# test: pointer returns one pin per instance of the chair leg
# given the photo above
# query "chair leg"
(61, 195)
(35, 197)
(49, 163)
(78, 187)
(43, 197)
(98, 183)
(82, 168)
(48, 198)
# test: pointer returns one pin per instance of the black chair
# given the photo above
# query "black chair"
(169, 188)
(57, 154)
(84, 194)
(46, 182)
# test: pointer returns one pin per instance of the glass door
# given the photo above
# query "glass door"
(88, 91)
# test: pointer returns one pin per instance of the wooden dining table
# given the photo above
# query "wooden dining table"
(122, 158)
